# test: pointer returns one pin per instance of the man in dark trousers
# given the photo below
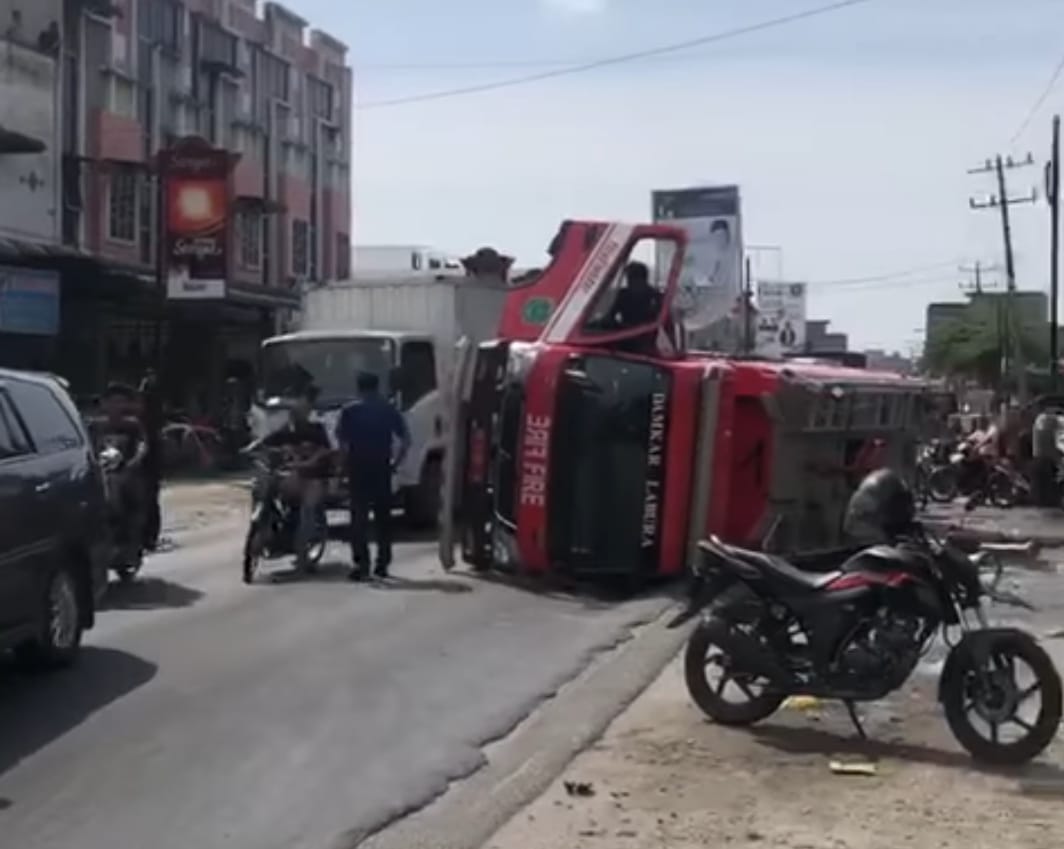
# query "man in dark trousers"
(367, 432)
(152, 419)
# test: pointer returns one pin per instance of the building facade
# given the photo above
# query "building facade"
(133, 77)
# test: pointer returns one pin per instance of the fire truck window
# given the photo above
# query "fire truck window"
(634, 294)
(418, 366)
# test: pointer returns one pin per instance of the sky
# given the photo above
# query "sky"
(850, 134)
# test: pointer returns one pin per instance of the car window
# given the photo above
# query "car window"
(12, 440)
(50, 427)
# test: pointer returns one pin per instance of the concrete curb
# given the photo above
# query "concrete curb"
(523, 767)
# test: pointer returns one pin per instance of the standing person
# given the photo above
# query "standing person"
(1046, 457)
(367, 431)
(152, 419)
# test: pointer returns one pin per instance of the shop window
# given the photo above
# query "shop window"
(249, 233)
(300, 247)
(123, 97)
(122, 205)
(343, 256)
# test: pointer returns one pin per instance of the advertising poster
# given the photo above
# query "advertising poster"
(713, 265)
(196, 187)
(780, 318)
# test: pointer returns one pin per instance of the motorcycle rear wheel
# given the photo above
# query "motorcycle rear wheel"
(942, 484)
(964, 693)
(705, 645)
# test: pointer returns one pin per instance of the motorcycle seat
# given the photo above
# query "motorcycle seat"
(771, 566)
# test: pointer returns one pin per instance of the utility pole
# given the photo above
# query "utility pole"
(1001, 201)
(748, 309)
(1053, 195)
(977, 283)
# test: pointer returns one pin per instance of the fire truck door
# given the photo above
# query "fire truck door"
(624, 292)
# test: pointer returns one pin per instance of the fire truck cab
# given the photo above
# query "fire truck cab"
(586, 443)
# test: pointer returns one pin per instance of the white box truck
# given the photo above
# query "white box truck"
(404, 331)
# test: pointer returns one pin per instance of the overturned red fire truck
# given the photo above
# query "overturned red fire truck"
(581, 445)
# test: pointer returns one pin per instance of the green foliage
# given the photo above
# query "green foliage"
(972, 347)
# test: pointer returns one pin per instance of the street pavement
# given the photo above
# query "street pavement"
(297, 714)
(1018, 524)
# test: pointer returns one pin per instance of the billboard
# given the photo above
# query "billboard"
(196, 217)
(780, 318)
(29, 301)
(713, 266)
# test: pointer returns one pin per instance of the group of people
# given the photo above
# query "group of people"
(373, 440)
(372, 435)
(1031, 439)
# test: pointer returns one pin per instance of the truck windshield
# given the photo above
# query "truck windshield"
(329, 366)
(607, 465)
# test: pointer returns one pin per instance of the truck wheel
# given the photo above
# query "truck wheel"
(423, 501)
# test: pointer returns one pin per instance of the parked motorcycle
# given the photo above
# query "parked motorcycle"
(969, 475)
(857, 632)
(127, 552)
(275, 518)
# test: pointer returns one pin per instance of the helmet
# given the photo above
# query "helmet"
(881, 506)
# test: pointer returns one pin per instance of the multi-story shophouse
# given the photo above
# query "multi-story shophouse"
(134, 76)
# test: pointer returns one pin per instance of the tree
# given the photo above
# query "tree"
(974, 347)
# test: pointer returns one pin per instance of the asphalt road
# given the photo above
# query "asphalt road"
(288, 715)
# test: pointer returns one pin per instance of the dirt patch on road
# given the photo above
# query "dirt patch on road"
(663, 777)
(196, 505)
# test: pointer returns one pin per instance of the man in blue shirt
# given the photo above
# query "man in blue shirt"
(367, 432)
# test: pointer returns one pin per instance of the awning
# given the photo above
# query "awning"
(12, 141)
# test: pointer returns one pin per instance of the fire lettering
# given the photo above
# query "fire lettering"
(534, 452)
(655, 458)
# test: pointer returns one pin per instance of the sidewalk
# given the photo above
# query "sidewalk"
(662, 776)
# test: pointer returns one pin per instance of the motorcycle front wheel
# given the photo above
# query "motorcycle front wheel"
(983, 698)
(1001, 489)
(753, 701)
(255, 548)
(942, 484)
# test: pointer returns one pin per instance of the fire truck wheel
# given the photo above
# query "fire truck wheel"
(734, 698)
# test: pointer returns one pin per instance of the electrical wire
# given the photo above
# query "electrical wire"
(608, 61)
(1041, 99)
(885, 277)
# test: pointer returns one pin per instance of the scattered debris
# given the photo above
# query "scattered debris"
(579, 788)
(803, 703)
(853, 767)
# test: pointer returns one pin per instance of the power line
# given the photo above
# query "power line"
(1033, 112)
(607, 61)
(885, 277)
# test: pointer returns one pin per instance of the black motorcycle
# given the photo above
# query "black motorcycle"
(856, 633)
(275, 518)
